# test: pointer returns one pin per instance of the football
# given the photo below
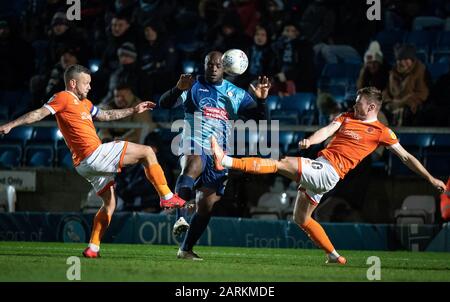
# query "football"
(235, 62)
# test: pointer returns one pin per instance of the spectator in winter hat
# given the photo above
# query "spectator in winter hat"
(375, 72)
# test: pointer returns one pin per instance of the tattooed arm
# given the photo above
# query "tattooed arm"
(27, 118)
(117, 114)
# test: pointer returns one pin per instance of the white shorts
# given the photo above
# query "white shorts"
(316, 177)
(100, 167)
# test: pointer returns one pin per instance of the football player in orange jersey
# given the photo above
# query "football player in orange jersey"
(96, 162)
(356, 135)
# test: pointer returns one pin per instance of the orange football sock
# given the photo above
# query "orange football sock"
(255, 165)
(101, 223)
(317, 234)
(155, 175)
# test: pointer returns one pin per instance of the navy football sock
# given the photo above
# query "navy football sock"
(184, 187)
(198, 225)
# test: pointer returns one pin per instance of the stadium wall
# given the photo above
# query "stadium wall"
(146, 228)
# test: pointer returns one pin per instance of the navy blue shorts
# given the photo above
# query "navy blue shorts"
(210, 177)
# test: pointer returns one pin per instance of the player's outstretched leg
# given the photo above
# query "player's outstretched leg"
(134, 154)
(101, 222)
(302, 217)
(253, 165)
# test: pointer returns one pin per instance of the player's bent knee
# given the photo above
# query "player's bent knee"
(149, 154)
(300, 220)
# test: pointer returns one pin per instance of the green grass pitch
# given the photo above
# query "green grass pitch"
(31, 261)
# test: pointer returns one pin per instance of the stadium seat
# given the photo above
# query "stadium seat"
(286, 139)
(10, 155)
(64, 157)
(388, 39)
(301, 104)
(47, 135)
(272, 103)
(19, 135)
(414, 144)
(437, 155)
(416, 209)
(423, 40)
(441, 52)
(437, 69)
(428, 23)
(92, 203)
(271, 206)
(443, 40)
(285, 117)
(39, 156)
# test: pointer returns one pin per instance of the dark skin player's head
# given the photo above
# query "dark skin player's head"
(214, 67)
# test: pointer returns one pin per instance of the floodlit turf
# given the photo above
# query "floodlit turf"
(31, 261)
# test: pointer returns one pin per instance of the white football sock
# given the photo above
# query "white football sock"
(167, 196)
(94, 247)
(227, 161)
(334, 254)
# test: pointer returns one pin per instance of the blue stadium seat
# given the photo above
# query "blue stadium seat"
(443, 41)
(286, 139)
(19, 135)
(48, 135)
(302, 104)
(437, 69)
(388, 39)
(437, 155)
(339, 76)
(299, 102)
(423, 40)
(414, 144)
(441, 52)
(285, 117)
(10, 156)
(428, 23)
(39, 156)
(64, 157)
(272, 102)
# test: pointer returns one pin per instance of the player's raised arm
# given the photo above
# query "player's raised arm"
(411, 162)
(117, 114)
(170, 97)
(27, 118)
(261, 91)
(319, 136)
